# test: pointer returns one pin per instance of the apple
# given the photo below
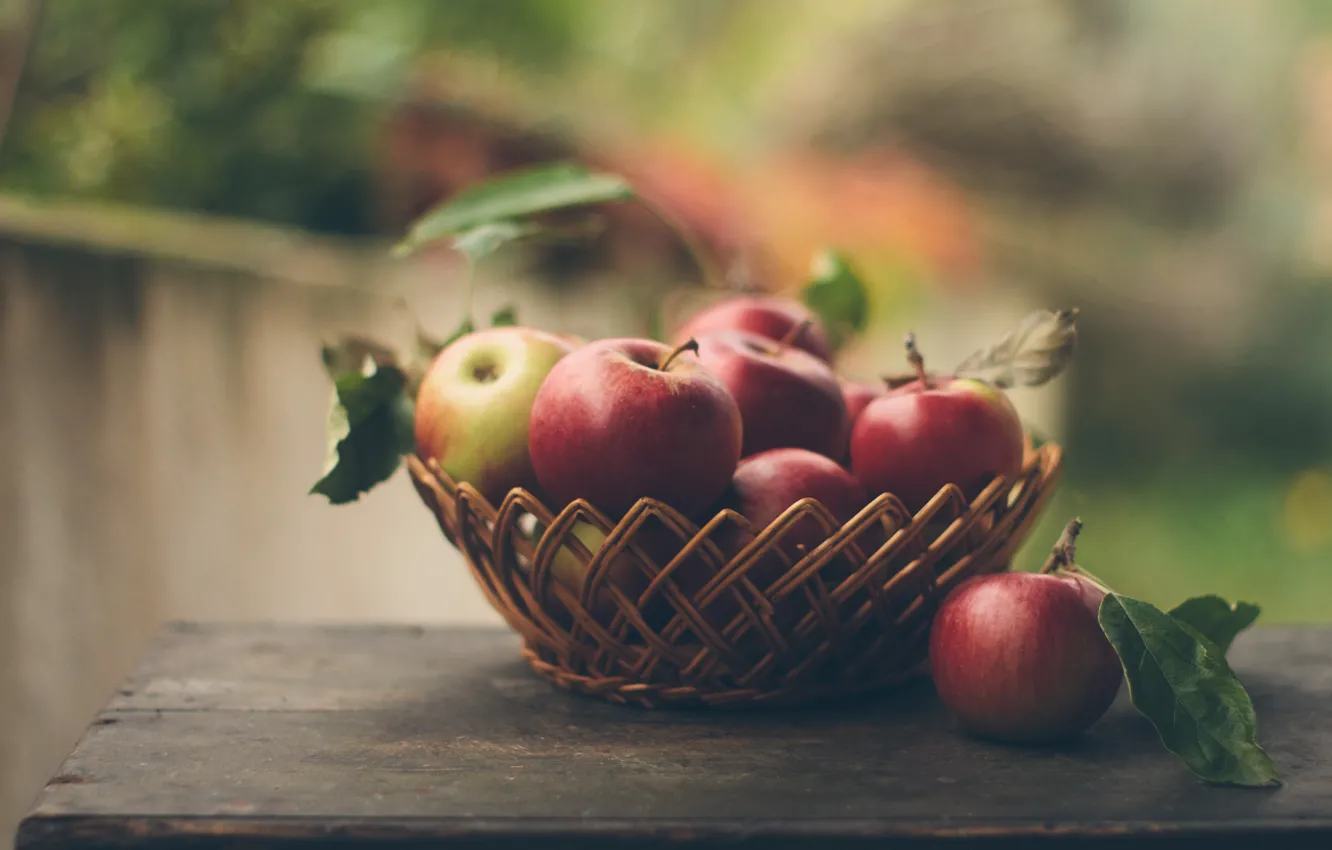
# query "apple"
(768, 483)
(629, 573)
(936, 431)
(626, 572)
(787, 396)
(473, 406)
(1020, 657)
(773, 317)
(857, 396)
(765, 486)
(623, 419)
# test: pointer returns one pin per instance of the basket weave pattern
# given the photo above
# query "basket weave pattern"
(655, 610)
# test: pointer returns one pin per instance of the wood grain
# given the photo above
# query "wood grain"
(360, 736)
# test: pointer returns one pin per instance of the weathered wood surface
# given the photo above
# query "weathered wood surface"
(406, 736)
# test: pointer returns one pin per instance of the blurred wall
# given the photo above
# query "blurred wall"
(161, 419)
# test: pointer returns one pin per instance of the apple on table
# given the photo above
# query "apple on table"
(1021, 657)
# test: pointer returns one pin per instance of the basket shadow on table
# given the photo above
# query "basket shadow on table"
(520, 712)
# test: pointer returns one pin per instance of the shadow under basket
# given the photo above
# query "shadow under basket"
(656, 610)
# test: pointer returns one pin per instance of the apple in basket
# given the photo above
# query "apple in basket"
(769, 316)
(623, 419)
(764, 487)
(934, 431)
(787, 396)
(766, 484)
(474, 402)
(857, 396)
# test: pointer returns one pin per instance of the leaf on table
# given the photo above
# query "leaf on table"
(369, 428)
(836, 292)
(511, 196)
(1216, 619)
(504, 317)
(1034, 353)
(1180, 681)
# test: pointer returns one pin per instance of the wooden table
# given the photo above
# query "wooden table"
(407, 737)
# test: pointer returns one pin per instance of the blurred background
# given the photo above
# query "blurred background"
(194, 195)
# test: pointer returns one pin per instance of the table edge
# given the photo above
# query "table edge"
(38, 831)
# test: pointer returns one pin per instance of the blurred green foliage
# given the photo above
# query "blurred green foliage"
(269, 110)
(249, 108)
(188, 105)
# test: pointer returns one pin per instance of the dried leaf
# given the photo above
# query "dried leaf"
(1036, 352)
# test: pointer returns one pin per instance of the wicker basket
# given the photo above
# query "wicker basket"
(671, 613)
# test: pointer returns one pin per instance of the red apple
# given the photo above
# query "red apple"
(473, 406)
(764, 486)
(768, 483)
(936, 431)
(768, 316)
(1021, 657)
(857, 397)
(787, 396)
(623, 419)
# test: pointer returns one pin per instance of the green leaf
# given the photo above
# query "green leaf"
(504, 317)
(1216, 619)
(515, 195)
(1180, 681)
(369, 425)
(837, 294)
(485, 239)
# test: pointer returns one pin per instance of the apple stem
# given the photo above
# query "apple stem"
(690, 344)
(1064, 553)
(794, 333)
(915, 359)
